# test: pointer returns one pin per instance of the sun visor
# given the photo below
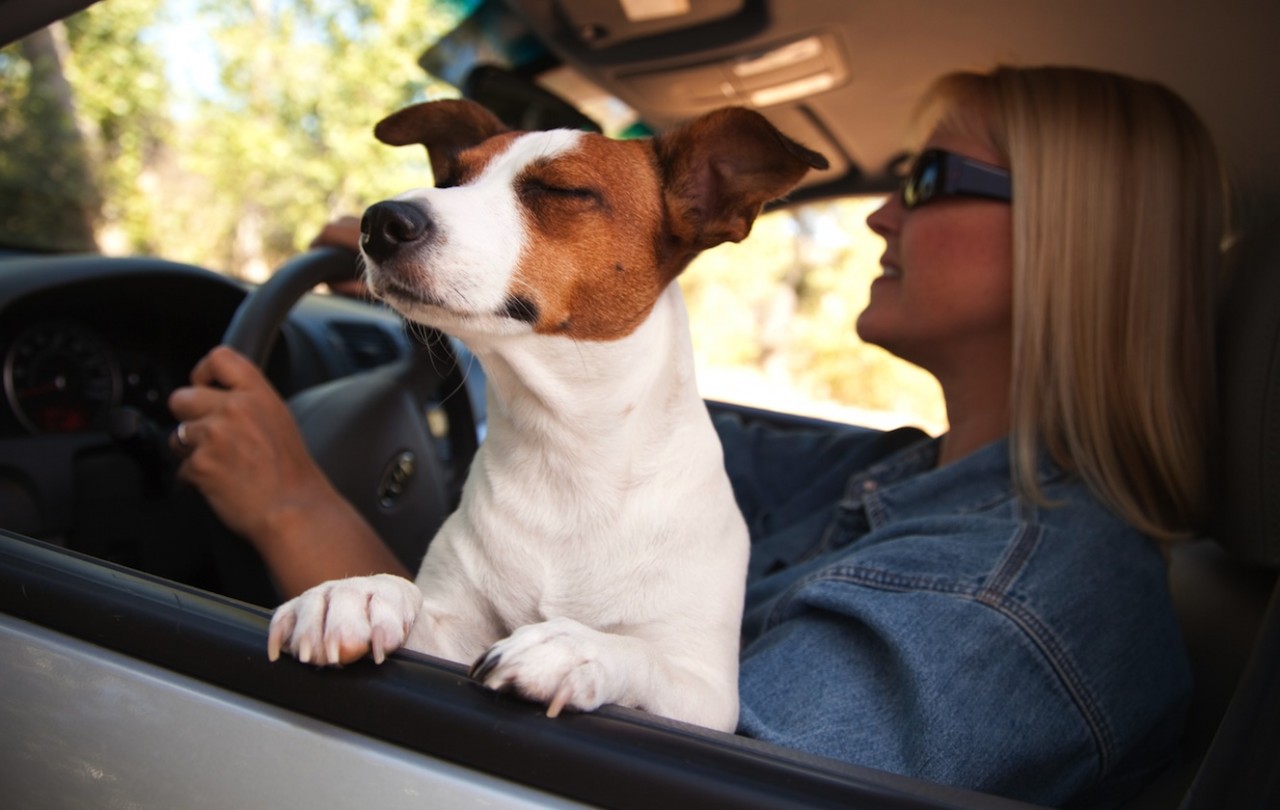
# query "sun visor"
(603, 25)
(784, 73)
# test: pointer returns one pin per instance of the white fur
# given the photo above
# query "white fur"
(472, 268)
(598, 555)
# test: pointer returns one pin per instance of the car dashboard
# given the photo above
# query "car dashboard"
(91, 348)
(72, 355)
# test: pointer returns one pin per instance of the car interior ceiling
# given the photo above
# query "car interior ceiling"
(1225, 589)
(669, 71)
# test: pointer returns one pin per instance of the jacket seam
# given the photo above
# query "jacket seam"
(1023, 619)
(995, 595)
(1050, 648)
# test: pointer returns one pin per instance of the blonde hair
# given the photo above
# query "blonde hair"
(1118, 225)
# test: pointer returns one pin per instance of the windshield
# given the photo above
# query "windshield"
(224, 134)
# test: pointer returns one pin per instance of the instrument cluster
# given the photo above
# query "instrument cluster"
(62, 375)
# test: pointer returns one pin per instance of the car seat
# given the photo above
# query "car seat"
(1225, 588)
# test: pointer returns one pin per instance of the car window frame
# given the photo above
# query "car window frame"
(614, 757)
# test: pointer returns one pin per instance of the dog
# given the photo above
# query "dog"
(597, 555)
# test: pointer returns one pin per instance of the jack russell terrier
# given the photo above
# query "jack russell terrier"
(598, 555)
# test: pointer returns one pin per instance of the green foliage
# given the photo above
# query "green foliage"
(287, 143)
(48, 194)
(120, 98)
(103, 148)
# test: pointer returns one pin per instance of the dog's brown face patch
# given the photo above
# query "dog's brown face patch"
(592, 261)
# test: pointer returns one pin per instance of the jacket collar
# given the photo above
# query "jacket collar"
(909, 483)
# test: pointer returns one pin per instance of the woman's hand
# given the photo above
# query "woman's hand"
(344, 232)
(241, 448)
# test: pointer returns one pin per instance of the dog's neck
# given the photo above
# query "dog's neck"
(593, 392)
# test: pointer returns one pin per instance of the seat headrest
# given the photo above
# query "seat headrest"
(1247, 500)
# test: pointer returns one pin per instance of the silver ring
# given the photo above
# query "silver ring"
(182, 435)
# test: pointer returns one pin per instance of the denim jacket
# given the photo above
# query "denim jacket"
(926, 621)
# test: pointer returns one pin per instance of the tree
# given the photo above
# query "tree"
(80, 109)
(288, 141)
(123, 96)
(49, 196)
(97, 147)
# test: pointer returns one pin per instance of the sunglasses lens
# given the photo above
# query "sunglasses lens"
(922, 183)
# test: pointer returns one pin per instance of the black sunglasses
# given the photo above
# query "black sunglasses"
(937, 173)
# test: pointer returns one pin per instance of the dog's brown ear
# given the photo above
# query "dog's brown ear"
(444, 127)
(721, 168)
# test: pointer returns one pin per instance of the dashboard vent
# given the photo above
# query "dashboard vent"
(367, 345)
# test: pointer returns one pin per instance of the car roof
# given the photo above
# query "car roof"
(1218, 54)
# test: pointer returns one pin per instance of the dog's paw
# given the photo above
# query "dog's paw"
(560, 663)
(343, 620)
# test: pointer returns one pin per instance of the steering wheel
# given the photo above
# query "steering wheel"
(368, 432)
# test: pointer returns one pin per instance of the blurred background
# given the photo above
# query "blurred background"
(150, 163)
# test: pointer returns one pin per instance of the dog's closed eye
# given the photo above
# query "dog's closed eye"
(521, 308)
(535, 190)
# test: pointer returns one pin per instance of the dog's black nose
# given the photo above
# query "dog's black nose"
(386, 226)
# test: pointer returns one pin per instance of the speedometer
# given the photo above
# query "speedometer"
(60, 377)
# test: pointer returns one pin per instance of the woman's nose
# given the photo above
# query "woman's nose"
(885, 220)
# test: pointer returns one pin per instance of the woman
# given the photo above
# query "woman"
(990, 608)
(986, 609)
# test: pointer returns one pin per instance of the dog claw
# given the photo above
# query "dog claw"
(378, 645)
(563, 695)
(484, 665)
